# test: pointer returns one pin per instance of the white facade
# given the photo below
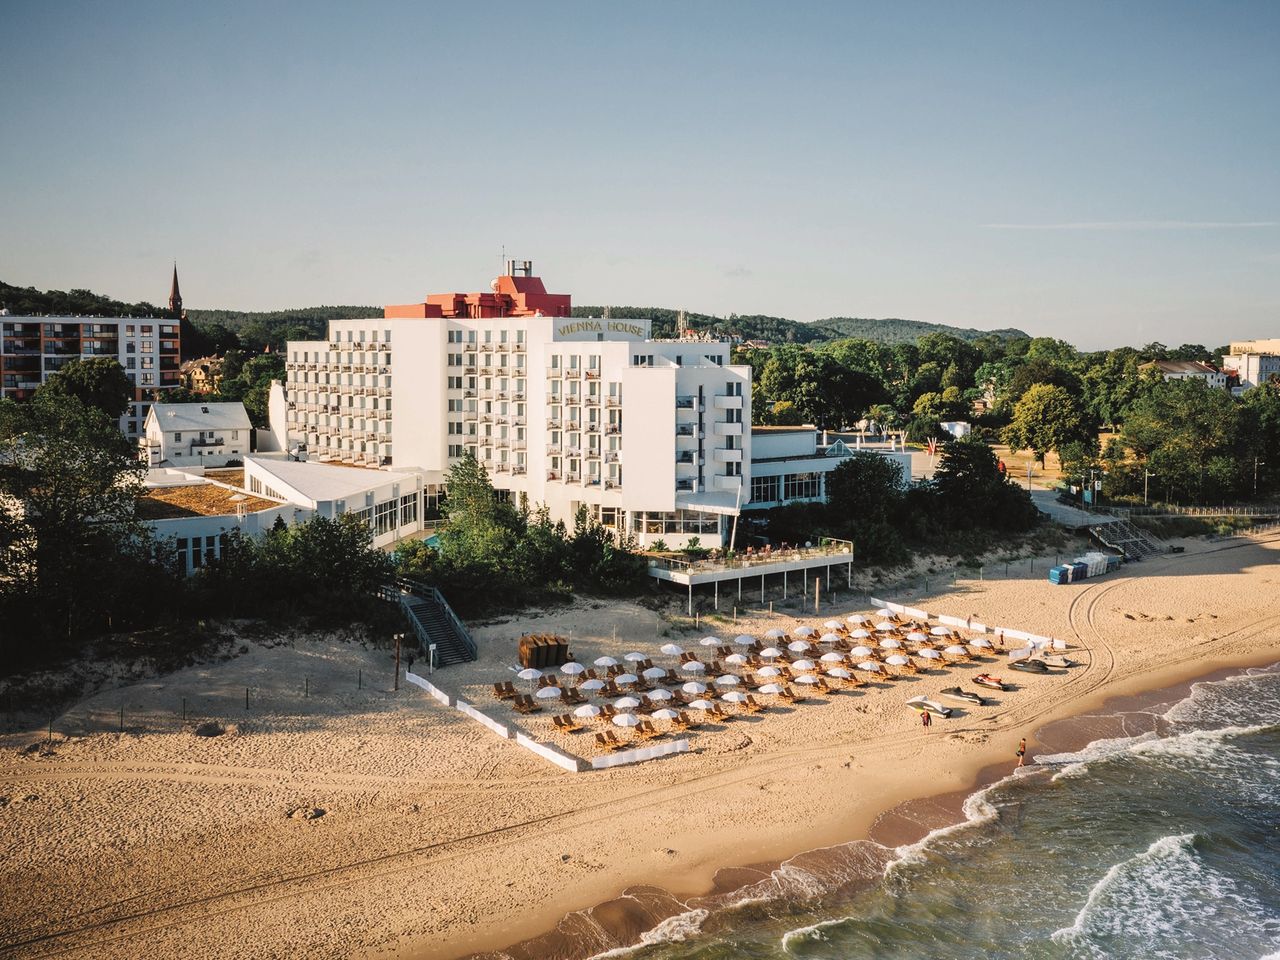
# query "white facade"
(1251, 368)
(196, 434)
(1188, 370)
(652, 437)
(790, 465)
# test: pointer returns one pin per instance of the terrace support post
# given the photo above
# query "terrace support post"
(717, 600)
(828, 578)
(817, 589)
(762, 589)
(849, 575)
(739, 588)
(691, 598)
(784, 585)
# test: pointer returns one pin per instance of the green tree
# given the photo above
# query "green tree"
(1047, 418)
(864, 496)
(1186, 433)
(480, 531)
(98, 382)
(973, 493)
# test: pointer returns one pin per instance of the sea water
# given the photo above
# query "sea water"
(1161, 845)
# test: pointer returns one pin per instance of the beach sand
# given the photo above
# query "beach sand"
(335, 817)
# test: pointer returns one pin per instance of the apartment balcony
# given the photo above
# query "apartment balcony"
(728, 456)
(517, 421)
(686, 403)
(686, 486)
(502, 467)
(593, 428)
(573, 477)
(613, 429)
(553, 423)
(573, 451)
(684, 456)
(486, 348)
(517, 469)
(593, 374)
(573, 373)
(613, 401)
(728, 429)
(727, 483)
(613, 484)
(554, 398)
(686, 430)
(593, 454)
(555, 372)
(469, 414)
(518, 444)
(518, 347)
(470, 368)
(592, 400)
(726, 401)
(517, 395)
(553, 449)
(612, 456)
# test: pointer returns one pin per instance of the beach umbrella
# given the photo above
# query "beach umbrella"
(654, 673)
(861, 652)
(798, 646)
(702, 705)
(728, 680)
(833, 625)
(771, 688)
(693, 666)
(860, 634)
(803, 665)
(831, 657)
(548, 693)
(884, 626)
(623, 679)
(828, 638)
(587, 710)
(774, 634)
(941, 631)
(693, 686)
(840, 673)
(856, 620)
(870, 666)
(591, 684)
(736, 659)
(929, 654)
(529, 673)
(626, 703)
(709, 642)
(770, 653)
(743, 640)
(769, 672)
(808, 679)
(884, 613)
(734, 696)
(572, 669)
(626, 720)
(659, 694)
(671, 649)
(915, 636)
(804, 632)
(606, 662)
(891, 644)
(956, 650)
(664, 714)
(981, 642)
(897, 660)
(635, 656)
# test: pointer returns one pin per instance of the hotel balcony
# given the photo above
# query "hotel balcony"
(727, 483)
(612, 456)
(685, 430)
(613, 484)
(686, 486)
(728, 456)
(728, 429)
(724, 401)
(574, 373)
(592, 400)
(555, 371)
(613, 401)
(553, 449)
(518, 347)
(554, 398)
(686, 403)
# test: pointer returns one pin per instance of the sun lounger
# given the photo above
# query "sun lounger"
(500, 692)
(688, 723)
(754, 705)
(602, 742)
(614, 742)
(648, 730)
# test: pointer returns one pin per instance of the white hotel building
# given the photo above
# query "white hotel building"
(653, 437)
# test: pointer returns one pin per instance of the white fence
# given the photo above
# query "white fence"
(625, 757)
(1012, 633)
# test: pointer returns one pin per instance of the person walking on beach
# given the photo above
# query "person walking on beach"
(1022, 752)
(926, 719)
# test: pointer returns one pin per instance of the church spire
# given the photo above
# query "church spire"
(175, 296)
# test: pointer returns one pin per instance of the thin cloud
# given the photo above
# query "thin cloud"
(1139, 225)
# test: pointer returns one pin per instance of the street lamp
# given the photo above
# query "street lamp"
(1146, 477)
(1256, 461)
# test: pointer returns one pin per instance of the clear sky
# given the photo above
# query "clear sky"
(1104, 172)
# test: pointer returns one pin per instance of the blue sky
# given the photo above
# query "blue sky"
(1108, 173)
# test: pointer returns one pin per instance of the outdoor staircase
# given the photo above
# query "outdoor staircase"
(433, 621)
(1133, 542)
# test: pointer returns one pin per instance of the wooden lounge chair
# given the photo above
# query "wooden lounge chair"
(510, 689)
(687, 722)
(648, 730)
(754, 705)
(723, 651)
(500, 692)
(602, 741)
(614, 742)
(720, 713)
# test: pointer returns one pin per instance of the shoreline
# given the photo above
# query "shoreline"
(906, 822)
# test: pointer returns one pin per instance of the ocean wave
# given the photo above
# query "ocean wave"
(1234, 699)
(978, 810)
(809, 875)
(674, 929)
(1202, 745)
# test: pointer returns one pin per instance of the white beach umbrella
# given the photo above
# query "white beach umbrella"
(664, 714)
(635, 656)
(623, 679)
(915, 636)
(860, 634)
(861, 652)
(884, 613)
(940, 631)
(840, 673)
(803, 665)
(736, 659)
(654, 673)
(709, 642)
(693, 666)
(897, 660)
(884, 626)
(956, 650)
(804, 631)
(828, 638)
(770, 653)
(587, 710)
(856, 620)
(592, 684)
(671, 649)
(548, 693)
(702, 705)
(774, 634)
(833, 625)
(626, 703)
(626, 720)
(572, 669)
(798, 646)
(771, 688)
(606, 662)
(529, 673)
(891, 644)
(743, 640)
(929, 653)
(734, 696)
(981, 642)
(870, 666)
(769, 672)
(728, 680)
(808, 679)
(832, 657)
(693, 686)
(659, 695)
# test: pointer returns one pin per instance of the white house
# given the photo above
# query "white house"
(1188, 370)
(196, 434)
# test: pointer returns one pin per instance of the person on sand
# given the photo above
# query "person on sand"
(926, 719)
(1022, 752)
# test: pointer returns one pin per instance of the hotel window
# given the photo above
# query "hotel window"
(408, 509)
(764, 489)
(148, 379)
(797, 486)
(384, 517)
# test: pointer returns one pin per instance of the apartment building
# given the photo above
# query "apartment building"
(32, 348)
(651, 436)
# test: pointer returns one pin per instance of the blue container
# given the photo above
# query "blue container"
(1079, 571)
(1060, 574)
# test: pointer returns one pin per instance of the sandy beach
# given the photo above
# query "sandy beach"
(335, 817)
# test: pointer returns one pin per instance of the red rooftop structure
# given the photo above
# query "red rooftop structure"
(516, 294)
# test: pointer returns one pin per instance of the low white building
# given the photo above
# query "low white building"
(196, 434)
(1188, 370)
(790, 465)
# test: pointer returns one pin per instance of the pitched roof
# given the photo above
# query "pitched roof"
(200, 416)
(1182, 366)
